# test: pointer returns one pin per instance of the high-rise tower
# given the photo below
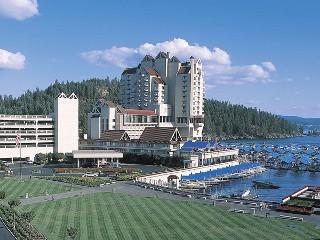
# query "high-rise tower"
(174, 90)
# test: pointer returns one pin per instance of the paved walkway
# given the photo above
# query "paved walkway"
(5, 234)
(130, 188)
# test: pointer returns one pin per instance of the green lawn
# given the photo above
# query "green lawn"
(120, 216)
(15, 188)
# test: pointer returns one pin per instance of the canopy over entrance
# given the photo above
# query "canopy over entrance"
(96, 155)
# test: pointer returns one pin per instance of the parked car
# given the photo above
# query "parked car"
(109, 174)
(90, 174)
(89, 165)
(4, 163)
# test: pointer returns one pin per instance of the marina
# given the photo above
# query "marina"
(228, 181)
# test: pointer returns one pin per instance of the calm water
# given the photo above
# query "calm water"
(288, 180)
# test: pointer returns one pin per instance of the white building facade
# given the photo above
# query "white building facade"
(106, 116)
(57, 132)
(36, 134)
(66, 122)
(172, 89)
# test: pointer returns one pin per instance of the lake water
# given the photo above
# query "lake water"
(288, 180)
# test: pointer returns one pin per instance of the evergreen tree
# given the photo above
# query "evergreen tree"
(222, 119)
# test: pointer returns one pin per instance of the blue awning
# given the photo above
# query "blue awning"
(221, 172)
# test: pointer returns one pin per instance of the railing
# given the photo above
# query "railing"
(24, 116)
(26, 131)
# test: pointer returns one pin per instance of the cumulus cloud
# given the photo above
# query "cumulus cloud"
(19, 9)
(10, 60)
(269, 66)
(181, 48)
(117, 56)
(216, 62)
(228, 74)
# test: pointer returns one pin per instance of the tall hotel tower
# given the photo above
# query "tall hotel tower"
(173, 90)
(66, 121)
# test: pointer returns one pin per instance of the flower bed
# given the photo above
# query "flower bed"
(126, 177)
(88, 181)
(300, 202)
(295, 209)
(23, 229)
(83, 170)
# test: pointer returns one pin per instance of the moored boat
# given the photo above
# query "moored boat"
(265, 185)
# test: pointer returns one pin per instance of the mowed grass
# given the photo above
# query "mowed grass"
(16, 189)
(120, 216)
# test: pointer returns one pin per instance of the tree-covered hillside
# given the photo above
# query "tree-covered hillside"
(223, 120)
(226, 120)
(40, 102)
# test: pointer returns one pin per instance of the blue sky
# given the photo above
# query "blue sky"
(262, 54)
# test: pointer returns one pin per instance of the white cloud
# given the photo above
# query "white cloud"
(19, 9)
(228, 74)
(10, 60)
(209, 86)
(117, 56)
(269, 66)
(181, 48)
(216, 62)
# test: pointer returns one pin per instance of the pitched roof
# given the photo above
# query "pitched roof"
(102, 102)
(110, 104)
(174, 59)
(153, 72)
(184, 70)
(162, 55)
(148, 58)
(140, 112)
(156, 76)
(160, 135)
(136, 111)
(114, 136)
(130, 70)
(70, 96)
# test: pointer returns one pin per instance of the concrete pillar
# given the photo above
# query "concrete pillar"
(117, 162)
(98, 164)
(177, 183)
(253, 211)
(78, 162)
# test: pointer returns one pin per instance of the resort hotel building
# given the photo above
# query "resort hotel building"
(159, 92)
(162, 107)
(161, 110)
(26, 135)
